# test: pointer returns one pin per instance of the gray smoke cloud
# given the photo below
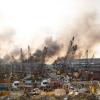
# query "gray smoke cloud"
(86, 25)
(88, 30)
(54, 47)
(6, 59)
(38, 53)
(15, 52)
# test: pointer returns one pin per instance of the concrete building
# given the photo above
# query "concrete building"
(90, 64)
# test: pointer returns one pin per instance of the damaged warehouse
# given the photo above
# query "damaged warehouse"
(36, 63)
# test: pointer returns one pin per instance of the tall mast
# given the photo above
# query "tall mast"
(43, 59)
(29, 52)
(87, 63)
(22, 59)
(70, 53)
(21, 55)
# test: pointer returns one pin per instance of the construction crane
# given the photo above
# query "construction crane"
(13, 64)
(87, 63)
(72, 48)
(13, 59)
(22, 60)
(66, 64)
(21, 55)
(43, 60)
(29, 52)
(44, 54)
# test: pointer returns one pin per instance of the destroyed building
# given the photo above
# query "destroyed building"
(35, 63)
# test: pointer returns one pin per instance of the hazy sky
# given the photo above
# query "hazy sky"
(33, 20)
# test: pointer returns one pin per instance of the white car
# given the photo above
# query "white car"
(44, 83)
(15, 84)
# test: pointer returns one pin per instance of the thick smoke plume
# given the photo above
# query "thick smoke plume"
(38, 53)
(88, 30)
(53, 48)
(86, 25)
(88, 35)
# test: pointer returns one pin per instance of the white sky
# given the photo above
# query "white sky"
(36, 19)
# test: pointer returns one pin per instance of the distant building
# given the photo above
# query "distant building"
(89, 64)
